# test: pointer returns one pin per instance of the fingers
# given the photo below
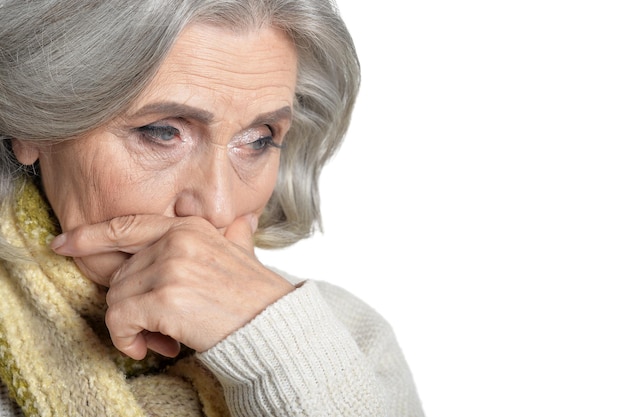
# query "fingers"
(241, 232)
(131, 337)
(100, 249)
(170, 277)
(130, 234)
(162, 344)
(127, 234)
(136, 346)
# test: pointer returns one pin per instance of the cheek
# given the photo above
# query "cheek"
(265, 187)
(78, 200)
(120, 192)
(66, 181)
(89, 187)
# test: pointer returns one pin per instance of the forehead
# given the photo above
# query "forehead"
(211, 67)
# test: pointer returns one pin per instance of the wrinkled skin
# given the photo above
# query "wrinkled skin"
(161, 203)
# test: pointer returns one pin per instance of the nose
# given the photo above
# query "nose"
(208, 188)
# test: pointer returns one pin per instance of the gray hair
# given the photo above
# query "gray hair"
(68, 66)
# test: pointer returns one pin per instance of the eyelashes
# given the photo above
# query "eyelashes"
(159, 133)
(264, 143)
(254, 141)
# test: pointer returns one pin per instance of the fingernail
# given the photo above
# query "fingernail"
(58, 241)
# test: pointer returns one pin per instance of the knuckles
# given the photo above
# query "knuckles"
(119, 228)
(188, 267)
(181, 243)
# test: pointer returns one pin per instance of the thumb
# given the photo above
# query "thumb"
(241, 231)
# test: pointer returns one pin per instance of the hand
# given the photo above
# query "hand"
(174, 280)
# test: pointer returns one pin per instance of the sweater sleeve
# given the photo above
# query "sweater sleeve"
(299, 358)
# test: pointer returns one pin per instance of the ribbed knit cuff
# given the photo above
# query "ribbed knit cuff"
(293, 358)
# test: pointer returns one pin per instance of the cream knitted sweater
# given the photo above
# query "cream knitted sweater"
(318, 351)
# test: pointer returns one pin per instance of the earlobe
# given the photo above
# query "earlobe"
(26, 153)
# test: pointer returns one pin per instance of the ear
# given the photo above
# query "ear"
(25, 152)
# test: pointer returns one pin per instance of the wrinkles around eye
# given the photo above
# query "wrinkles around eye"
(159, 133)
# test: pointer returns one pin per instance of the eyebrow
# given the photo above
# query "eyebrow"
(173, 109)
(284, 113)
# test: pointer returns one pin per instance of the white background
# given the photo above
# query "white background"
(479, 201)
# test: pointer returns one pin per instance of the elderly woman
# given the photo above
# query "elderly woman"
(148, 146)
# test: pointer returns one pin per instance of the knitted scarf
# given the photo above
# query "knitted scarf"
(56, 356)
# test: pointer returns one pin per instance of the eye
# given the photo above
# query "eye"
(159, 133)
(265, 139)
(264, 143)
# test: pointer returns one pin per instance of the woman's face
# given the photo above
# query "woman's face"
(201, 140)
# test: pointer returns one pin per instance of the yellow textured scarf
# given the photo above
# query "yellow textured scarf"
(55, 353)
